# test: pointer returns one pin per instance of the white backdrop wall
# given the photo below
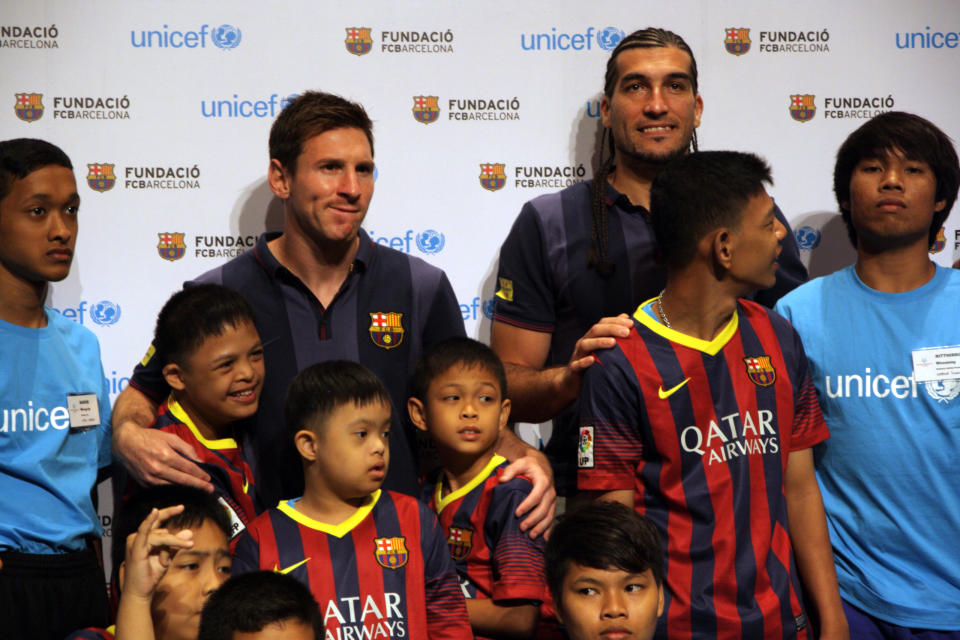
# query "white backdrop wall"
(179, 96)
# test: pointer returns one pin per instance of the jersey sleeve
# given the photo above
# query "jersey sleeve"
(791, 273)
(445, 604)
(246, 555)
(90, 633)
(809, 427)
(609, 445)
(444, 319)
(148, 376)
(524, 296)
(518, 569)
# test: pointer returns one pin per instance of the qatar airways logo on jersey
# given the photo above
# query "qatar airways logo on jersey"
(377, 617)
(733, 436)
(30, 418)
(880, 386)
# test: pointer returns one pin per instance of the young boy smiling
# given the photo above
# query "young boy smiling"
(460, 398)
(375, 560)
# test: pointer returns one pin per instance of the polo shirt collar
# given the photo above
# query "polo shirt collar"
(269, 261)
(622, 202)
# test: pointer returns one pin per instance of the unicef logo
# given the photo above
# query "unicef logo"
(105, 313)
(943, 390)
(488, 308)
(430, 241)
(226, 36)
(609, 38)
(807, 237)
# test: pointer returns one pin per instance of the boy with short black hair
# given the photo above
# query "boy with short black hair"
(264, 605)
(212, 360)
(55, 407)
(375, 560)
(170, 552)
(460, 399)
(605, 567)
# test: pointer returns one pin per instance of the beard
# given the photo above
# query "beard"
(655, 159)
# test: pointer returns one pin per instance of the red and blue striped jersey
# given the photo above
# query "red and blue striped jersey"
(494, 558)
(701, 432)
(93, 633)
(385, 572)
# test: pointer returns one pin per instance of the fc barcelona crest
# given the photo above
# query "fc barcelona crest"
(426, 109)
(802, 108)
(386, 329)
(737, 41)
(358, 40)
(939, 243)
(29, 106)
(493, 176)
(391, 552)
(100, 177)
(171, 246)
(459, 541)
(760, 371)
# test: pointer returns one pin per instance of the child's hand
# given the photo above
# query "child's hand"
(149, 551)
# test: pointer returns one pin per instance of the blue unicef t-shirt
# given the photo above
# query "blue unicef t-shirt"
(47, 469)
(889, 473)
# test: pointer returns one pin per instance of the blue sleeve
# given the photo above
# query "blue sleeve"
(246, 556)
(518, 569)
(525, 292)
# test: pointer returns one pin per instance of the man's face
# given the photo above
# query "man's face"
(757, 244)
(328, 195)
(609, 604)
(653, 111)
(892, 200)
(38, 226)
(193, 575)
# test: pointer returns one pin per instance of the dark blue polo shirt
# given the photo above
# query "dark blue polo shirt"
(544, 283)
(391, 307)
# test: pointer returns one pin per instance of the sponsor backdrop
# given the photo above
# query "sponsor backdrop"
(164, 108)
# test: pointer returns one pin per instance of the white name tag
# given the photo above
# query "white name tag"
(236, 524)
(84, 409)
(936, 363)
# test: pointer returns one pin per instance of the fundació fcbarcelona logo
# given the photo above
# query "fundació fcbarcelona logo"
(737, 41)
(28, 106)
(171, 246)
(100, 176)
(493, 176)
(426, 109)
(939, 242)
(358, 41)
(802, 108)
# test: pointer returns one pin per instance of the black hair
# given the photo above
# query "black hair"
(918, 139)
(602, 535)
(698, 193)
(649, 38)
(457, 351)
(198, 507)
(309, 115)
(22, 156)
(194, 314)
(252, 601)
(320, 389)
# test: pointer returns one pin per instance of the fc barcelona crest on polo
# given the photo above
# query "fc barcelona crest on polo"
(171, 246)
(939, 242)
(802, 108)
(737, 41)
(29, 106)
(358, 40)
(760, 371)
(459, 541)
(426, 109)
(386, 329)
(391, 552)
(100, 177)
(493, 176)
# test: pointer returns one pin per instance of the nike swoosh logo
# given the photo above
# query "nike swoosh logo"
(669, 392)
(290, 568)
(246, 485)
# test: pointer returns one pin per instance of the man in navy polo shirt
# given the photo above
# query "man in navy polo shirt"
(321, 290)
(566, 277)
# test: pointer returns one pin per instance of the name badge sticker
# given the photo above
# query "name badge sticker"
(933, 364)
(84, 409)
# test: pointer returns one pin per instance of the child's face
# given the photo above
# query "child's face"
(609, 603)
(193, 575)
(353, 451)
(38, 225)
(285, 630)
(222, 379)
(464, 410)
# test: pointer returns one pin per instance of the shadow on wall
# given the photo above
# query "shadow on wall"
(824, 245)
(257, 210)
